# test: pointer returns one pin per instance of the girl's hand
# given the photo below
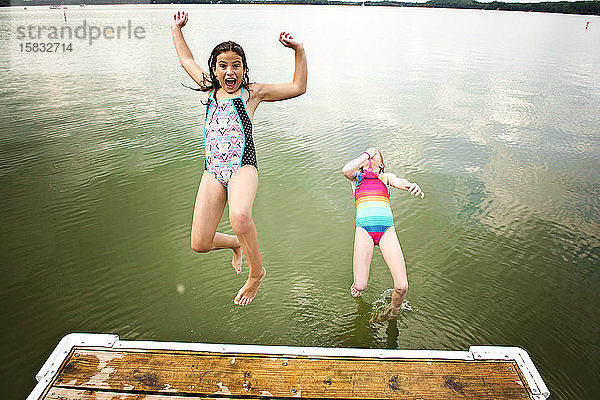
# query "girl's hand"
(371, 151)
(415, 190)
(180, 19)
(288, 40)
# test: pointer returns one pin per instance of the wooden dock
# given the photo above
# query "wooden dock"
(99, 366)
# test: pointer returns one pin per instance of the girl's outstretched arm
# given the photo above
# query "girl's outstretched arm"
(404, 184)
(283, 91)
(349, 170)
(186, 59)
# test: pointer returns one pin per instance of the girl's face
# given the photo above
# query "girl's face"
(377, 162)
(229, 70)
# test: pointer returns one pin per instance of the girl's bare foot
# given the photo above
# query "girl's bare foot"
(247, 293)
(236, 261)
(354, 291)
(388, 314)
(391, 312)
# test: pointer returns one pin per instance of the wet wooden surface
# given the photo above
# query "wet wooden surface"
(64, 393)
(89, 373)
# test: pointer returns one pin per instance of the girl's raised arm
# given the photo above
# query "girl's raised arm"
(283, 91)
(404, 184)
(349, 170)
(186, 59)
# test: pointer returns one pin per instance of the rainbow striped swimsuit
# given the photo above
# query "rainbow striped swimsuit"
(373, 212)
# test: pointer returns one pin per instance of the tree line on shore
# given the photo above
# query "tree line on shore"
(565, 7)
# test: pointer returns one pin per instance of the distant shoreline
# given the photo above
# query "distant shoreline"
(562, 7)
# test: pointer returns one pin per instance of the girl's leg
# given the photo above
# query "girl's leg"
(208, 209)
(392, 254)
(241, 193)
(361, 262)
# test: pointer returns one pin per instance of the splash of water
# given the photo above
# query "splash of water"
(382, 305)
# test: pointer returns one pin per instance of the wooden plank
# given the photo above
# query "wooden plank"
(79, 394)
(243, 375)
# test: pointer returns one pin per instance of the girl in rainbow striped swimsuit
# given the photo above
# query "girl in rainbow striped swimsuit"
(375, 223)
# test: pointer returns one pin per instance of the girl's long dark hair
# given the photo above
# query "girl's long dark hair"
(210, 82)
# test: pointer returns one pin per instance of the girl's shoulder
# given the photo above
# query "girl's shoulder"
(211, 95)
(385, 177)
(254, 89)
(355, 182)
(387, 180)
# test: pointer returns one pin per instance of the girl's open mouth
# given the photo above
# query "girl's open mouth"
(230, 82)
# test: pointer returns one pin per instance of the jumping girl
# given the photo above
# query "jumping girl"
(231, 171)
(375, 223)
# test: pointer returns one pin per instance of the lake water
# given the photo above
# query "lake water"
(494, 114)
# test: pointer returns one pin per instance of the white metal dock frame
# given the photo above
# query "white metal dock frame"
(51, 366)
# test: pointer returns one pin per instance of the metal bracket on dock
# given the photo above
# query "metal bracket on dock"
(534, 380)
(60, 353)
